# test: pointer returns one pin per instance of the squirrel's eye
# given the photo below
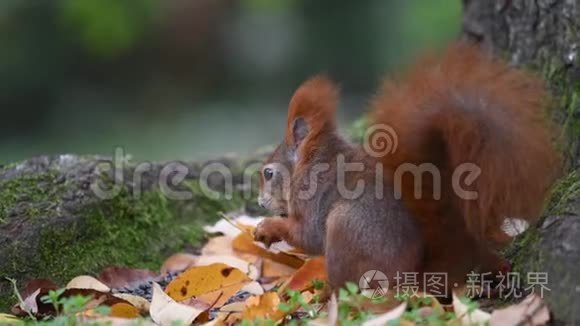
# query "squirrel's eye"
(268, 174)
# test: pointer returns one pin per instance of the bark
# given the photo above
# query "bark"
(544, 35)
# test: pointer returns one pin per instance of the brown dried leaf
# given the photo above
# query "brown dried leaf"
(532, 311)
(37, 283)
(118, 277)
(244, 243)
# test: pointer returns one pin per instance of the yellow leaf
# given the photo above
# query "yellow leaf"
(219, 297)
(263, 307)
(203, 279)
(7, 319)
(124, 310)
(313, 269)
(139, 302)
(230, 260)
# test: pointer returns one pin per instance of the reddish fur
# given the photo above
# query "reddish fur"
(438, 106)
(315, 101)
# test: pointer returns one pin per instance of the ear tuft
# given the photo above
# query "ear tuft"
(312, 110)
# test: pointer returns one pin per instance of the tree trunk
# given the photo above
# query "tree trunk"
(544, 35)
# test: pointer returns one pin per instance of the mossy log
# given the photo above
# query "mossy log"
(62, 216)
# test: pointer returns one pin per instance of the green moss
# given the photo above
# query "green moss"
(564, 192)
(566, 91)
(123, 231)
(523, 253)
(28, 189)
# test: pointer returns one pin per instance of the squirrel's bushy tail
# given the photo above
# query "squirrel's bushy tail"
(464, 111)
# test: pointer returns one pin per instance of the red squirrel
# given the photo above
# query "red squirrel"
(461, 107)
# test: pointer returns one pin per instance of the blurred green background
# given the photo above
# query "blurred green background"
(184, 79)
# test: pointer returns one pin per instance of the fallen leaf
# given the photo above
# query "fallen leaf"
(87, 282)
(313, 269)
(233, 261)
(514, 226)
(383, 319)
(178, 262)
(29, 304)
(33, 305)
(253, 288)
(219, 297)
(139, 302)
(124, 310)
(203, 279)
(113, 321)
(272, 269)
(219, 321)
(6, 319)
(466, 317)
(37, 283)
(234, 307)
(221, 245)
(47, 309)
(118, 277)
(263, 307)
(285, 248)
(225, 227)
(531, 311)
(165, 311)
(231, 313)
(245, 243)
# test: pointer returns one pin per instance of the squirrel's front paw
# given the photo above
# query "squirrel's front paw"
(267, 232)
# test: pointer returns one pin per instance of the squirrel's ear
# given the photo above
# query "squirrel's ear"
(311, 111)
(299, 130)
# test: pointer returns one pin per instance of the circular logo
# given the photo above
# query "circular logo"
(380, 140)
(374, 284)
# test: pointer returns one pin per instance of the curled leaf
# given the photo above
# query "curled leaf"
(87, 282)
(165, 311)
